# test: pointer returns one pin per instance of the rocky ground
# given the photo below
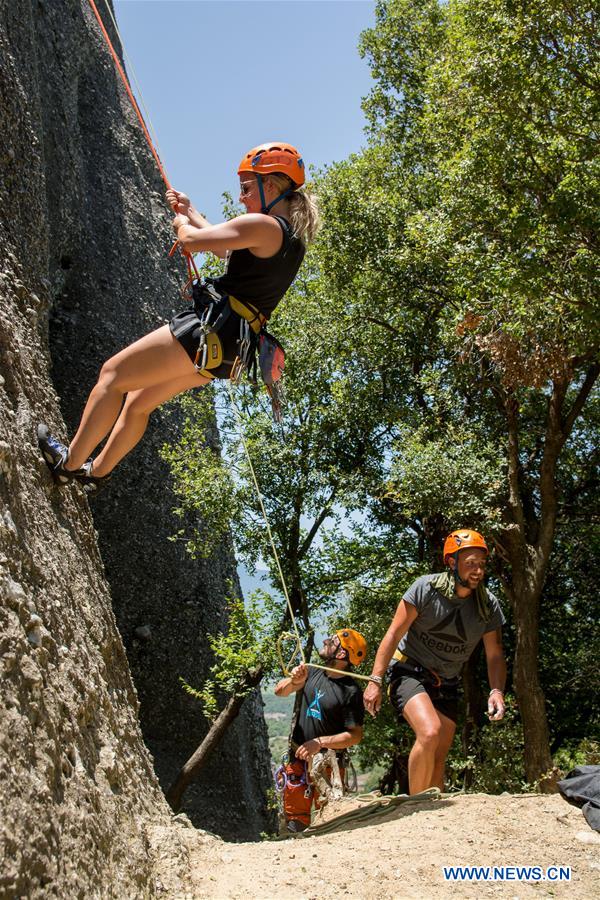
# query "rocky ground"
(401, 857)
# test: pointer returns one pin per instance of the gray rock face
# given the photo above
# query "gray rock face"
(83, 239)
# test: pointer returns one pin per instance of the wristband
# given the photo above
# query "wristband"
(376, 679)
(496, 691)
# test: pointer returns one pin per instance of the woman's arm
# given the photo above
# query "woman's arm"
(260, 234)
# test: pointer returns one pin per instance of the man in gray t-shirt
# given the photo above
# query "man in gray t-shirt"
(437, 626)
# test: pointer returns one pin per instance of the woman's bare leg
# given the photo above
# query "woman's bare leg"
(155, 359)
(132, 422)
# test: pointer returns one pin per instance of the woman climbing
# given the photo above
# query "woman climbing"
(264, 249)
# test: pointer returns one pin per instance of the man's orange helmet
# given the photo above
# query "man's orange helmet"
(354, 643)
(267, 159)
(463, 539)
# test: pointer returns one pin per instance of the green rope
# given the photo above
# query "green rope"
(375, 808)
(298, 651)
(268, 527)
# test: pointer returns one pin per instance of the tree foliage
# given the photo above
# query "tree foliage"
(442, 347)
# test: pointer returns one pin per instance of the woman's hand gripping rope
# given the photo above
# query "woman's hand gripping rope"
(180, 204)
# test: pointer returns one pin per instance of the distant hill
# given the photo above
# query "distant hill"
(250, 583)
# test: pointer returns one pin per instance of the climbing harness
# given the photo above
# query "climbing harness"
(418, 668)
(214, 310)
(286, 779)
(322, 774)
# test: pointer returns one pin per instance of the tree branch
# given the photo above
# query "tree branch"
(514, 487)
(584, 392)
(326, 511)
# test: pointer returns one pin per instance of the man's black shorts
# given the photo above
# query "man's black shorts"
(405, 682)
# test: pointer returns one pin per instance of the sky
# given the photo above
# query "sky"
(218, 77)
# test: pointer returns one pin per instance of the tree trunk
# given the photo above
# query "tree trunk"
(528, 564)
(530, 697)
(530, 544)
(200, 756)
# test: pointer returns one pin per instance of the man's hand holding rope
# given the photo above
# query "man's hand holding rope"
(299, 674)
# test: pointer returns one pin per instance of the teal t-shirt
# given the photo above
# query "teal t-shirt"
(446, 631)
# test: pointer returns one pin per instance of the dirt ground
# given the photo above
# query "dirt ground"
(401, 857)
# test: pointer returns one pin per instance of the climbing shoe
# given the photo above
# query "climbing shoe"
(55, 456)
(91, 483)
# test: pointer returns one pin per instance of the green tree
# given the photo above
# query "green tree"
(442, 339)
(469, 258)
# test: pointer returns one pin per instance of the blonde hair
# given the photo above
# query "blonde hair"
(304, 210)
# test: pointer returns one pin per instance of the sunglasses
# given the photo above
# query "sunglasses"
(337, 644)
(246, 187)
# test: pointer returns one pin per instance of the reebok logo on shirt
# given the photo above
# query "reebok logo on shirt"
(449, 636)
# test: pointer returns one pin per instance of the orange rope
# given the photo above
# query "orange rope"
(191, 265)
(130, 94)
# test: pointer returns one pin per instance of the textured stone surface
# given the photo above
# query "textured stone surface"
(83, 233)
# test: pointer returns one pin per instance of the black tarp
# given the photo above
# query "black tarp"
(581, 787)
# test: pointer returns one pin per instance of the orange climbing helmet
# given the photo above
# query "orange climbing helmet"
(354, 643)
(267, 159)
(463, 539)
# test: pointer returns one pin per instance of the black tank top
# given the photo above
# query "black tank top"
(262, 282)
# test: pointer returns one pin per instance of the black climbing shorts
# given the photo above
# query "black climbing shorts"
(185, 327)
(405, 682)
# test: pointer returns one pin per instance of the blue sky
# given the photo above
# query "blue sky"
(220, 76)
